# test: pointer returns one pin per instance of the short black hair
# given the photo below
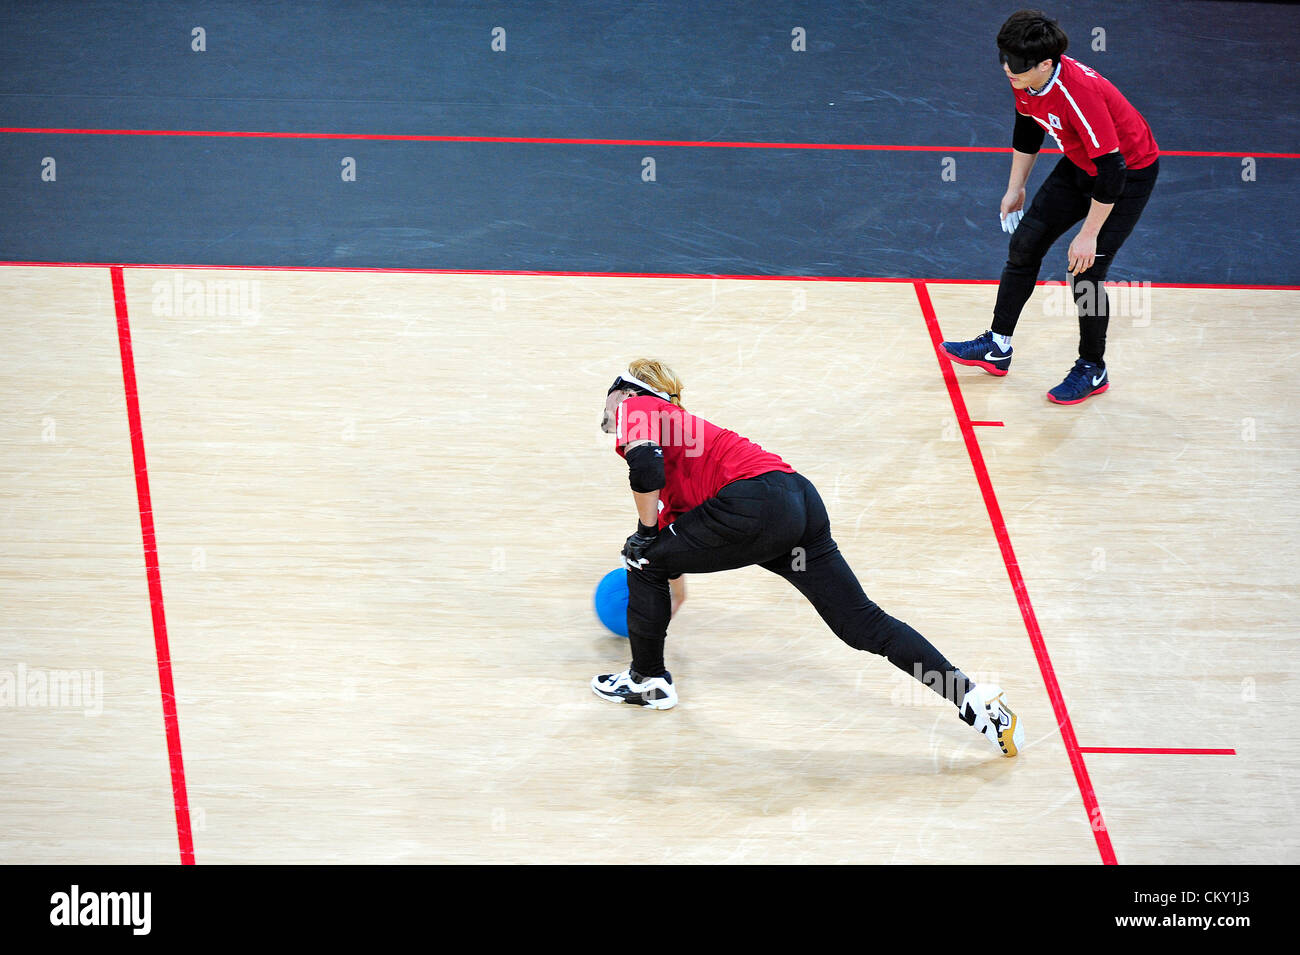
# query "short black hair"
(1033, 34)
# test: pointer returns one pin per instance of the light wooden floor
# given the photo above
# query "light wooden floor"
(383, 500)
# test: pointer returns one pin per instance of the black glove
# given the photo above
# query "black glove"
(636, 546)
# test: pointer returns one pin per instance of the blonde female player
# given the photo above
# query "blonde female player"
(709, 500)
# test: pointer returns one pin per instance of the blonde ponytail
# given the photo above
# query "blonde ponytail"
(660, 376)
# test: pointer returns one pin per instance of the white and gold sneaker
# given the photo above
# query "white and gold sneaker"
(985, 708)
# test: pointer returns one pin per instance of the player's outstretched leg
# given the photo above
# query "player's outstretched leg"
(819, 571)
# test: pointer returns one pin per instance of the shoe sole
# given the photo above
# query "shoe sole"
(615, 698)
(993, 370)
(1076, 401)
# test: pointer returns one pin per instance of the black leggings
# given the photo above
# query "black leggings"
(777, 521)
(1064, 199)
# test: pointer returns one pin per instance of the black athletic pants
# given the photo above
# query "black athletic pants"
(778, 521)
(1064, 199)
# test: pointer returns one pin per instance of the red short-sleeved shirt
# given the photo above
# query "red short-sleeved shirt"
(1088, 117)
(700, 459)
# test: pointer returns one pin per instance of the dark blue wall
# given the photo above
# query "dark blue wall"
(1208, 76)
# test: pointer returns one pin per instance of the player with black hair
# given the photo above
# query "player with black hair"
(709, 500)
(1104, 179)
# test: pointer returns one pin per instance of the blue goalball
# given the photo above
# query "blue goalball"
(611, 601)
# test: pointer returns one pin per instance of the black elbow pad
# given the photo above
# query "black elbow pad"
(1027, 137)
(1112, 172)
(645, 465)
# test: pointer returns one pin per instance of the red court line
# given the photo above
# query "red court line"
(179, 797)
(612, 275)
(582, 141)
(1072, 749)
(1158, 750)
(986, 424)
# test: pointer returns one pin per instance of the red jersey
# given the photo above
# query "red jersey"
(1088, 118)
(700, 459)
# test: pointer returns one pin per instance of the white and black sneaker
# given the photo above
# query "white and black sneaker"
(656, 692)
(985, 708)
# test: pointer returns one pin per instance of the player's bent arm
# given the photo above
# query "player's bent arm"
(1098, 212)
(1109, 184)
(1021, 165)
(645, 474)
(1026, 141)
(645, 462)
(647, 507)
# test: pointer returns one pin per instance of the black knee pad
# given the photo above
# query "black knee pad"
(1026, 247)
